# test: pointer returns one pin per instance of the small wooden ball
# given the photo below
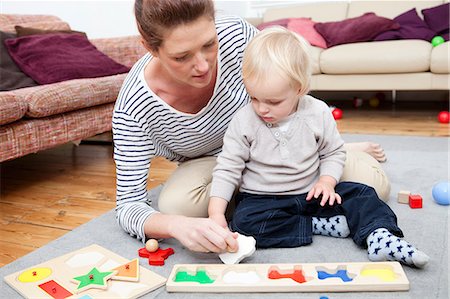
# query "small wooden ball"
(151, 245)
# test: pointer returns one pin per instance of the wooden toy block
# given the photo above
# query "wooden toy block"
(403, 197)
(55, 278)
(299, 277)
(415, 201)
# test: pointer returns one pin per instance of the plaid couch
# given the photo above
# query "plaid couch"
(45, 116)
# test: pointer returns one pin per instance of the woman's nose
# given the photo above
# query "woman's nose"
(201, 64)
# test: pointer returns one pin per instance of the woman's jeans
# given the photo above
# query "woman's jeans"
(286, 220)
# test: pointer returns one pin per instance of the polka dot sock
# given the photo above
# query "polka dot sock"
(384, 246)
(335, 226)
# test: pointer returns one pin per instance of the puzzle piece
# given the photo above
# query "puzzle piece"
(200, 276)
(55, 290)
(158, 257)
(342, 274)
(128, 271)
(93, 279)
(247, 246)
(296, 274)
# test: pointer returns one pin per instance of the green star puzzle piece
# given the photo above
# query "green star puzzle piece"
(93, 279)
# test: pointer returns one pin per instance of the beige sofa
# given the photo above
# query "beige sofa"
(45, 116)
(370, 66)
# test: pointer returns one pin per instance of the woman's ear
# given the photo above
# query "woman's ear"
(150, 50)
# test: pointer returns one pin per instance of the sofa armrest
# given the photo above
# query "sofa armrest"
(56, 98)
(254, 21)
(12, 107)
(125, 50)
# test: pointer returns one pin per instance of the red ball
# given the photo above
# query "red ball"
(444, 117)
(337, 113)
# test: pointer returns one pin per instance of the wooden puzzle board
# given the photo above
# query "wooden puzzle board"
(372, 276)
(80, 262)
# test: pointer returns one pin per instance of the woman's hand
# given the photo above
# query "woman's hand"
(325, 187)
(203, 234)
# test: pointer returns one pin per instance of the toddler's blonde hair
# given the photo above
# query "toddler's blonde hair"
(277, 49)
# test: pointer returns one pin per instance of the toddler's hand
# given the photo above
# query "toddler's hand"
(326, 189)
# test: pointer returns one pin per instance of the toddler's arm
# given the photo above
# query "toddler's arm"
(216, 210)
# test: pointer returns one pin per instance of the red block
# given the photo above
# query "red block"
(415, 201)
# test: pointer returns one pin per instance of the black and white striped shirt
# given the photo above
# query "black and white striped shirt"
(144, 126)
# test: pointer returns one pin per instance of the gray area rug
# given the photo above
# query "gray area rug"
(414, 164)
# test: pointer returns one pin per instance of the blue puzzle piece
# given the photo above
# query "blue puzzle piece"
(342, 274)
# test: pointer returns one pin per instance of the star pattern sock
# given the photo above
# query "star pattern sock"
(335, 226)
(382, 246)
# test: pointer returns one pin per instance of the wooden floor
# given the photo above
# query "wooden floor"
(45, 195)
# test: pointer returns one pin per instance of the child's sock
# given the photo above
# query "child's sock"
(382, 246)
(335, 226)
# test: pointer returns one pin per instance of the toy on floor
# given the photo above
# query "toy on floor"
(157, 257)
(403, 197)
(337, 113)
(437, 40)
(441, 193)
(357, 102)
(415, 201)
(247, 246)
(295, 277)
(444, 117)
(90, 272)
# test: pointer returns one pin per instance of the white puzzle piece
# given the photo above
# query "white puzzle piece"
(247, 246)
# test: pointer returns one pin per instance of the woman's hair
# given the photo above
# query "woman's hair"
(155, 17)
(279, 50)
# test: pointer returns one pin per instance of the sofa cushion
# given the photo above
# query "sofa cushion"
(400, 56)
(305, 27)
(411, 27)
(59, 57)
(24, 31)
(359, 29)
(319, 11)
(439, 59)
(387, 8)
(437, 18)
(280, 22)
(11, 75)
(12, 108)
(72, 95)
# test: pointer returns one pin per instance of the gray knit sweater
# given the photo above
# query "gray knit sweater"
(263, 160)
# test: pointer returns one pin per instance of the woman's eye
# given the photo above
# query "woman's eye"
(179, 59)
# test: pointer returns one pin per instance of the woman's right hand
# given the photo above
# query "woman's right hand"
(203, 234)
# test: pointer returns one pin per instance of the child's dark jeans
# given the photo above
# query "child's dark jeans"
(286, 220)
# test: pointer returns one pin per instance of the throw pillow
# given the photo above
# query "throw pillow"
(437, 18)
(305, 28)
(360, 29)
(51, 58)
(411, 27)
(281, 22)
(11, 77)
(23, 31)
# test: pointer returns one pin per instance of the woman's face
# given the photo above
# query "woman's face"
(189, 52)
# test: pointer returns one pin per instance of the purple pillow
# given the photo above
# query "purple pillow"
(360, 29)
(411, 27)
(58, 57)
(437, 18)
(281, 22)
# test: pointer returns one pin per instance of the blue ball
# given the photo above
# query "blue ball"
(441, 193)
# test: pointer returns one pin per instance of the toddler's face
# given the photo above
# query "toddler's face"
(273, 99)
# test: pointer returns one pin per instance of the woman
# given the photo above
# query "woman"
(177, 102)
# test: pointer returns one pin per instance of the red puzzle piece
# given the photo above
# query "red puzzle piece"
(415, 201)
(156, 258)
(296, 274)
(55, 290)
